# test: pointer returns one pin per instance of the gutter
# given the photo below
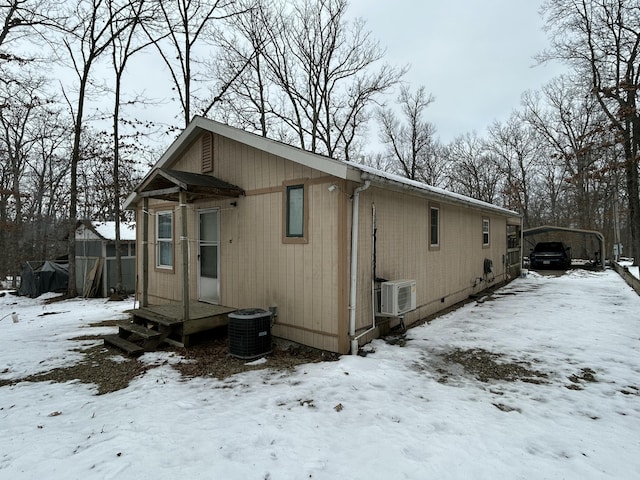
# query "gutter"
(354, 266)
(441, 196)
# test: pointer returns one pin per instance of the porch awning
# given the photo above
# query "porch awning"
(167, 184)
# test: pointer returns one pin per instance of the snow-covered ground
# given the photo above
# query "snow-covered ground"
(403, 411)
(635, 271)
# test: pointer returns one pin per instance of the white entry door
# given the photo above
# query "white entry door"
(209, 256)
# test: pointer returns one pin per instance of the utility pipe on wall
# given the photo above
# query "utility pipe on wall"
(354, 266)
(356, 340)
(374, 261)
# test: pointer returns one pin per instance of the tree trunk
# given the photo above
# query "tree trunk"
(72, 290)
(633, 192)
(116, 182)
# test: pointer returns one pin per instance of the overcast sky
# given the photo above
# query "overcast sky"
(475, 57)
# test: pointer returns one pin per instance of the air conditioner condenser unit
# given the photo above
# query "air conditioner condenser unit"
(397, 297)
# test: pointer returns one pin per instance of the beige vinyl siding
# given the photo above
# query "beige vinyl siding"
(450, 273)
(165, 287)
(309, 283)
(399, 235)
(256, 268)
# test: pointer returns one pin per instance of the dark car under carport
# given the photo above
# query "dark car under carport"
(550, 255)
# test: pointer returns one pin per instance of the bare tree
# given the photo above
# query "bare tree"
(124, 33)
(15, 15)
(305, 75)
(245, 43)
(19, 19)
(182, 27)
(517, 152)
(47, 182)
(601, 40)
(571, 124)
(324, 70)
(91, 36)
(472, 170)
(30, 141)
(98, 182)
(19, 103)
(410, 140)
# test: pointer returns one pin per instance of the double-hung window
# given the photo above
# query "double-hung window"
(164, 240)
(485, 232)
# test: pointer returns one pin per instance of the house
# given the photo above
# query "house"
(96, 257)
(233, 220)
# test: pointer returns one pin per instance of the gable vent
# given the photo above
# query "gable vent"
(207, 152)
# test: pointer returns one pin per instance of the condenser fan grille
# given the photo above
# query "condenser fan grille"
(404, 298)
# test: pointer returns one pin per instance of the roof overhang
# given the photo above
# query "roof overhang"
(421, 189)
(167, 185)
(551, 228)
(199, 125)
(170, 183)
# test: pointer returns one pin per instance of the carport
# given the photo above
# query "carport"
(549, 228)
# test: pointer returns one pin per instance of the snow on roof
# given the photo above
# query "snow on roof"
(428, 189)
(107, 230)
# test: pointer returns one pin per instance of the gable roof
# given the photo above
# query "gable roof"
(166, 184)
(340, 169)
(199, 124)
(107, 230)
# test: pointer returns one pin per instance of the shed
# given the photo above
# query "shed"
(339, 251)
(96, 257)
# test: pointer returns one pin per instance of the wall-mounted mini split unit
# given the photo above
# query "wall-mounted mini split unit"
(397, 297)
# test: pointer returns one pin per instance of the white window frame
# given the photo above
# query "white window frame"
(164, 241)
(486, 232)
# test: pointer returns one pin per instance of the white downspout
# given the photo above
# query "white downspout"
(354, 266)
(356, 339)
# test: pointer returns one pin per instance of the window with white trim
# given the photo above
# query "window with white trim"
(164, 239)
(485, 232)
